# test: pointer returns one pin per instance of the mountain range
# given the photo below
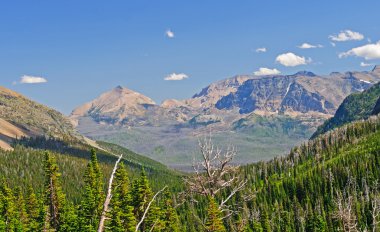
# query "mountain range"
(246, 110)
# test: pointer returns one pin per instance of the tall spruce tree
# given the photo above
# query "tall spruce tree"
(170, 218)
(54, 197)
(8, 220)
(33, 208)
(92, 203)
(141, 195)
(214, 222)
(122, 217)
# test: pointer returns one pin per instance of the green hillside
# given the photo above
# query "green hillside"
(355, 107)
(300, 191)
(376, 109)
(22, 166)
(297, 192)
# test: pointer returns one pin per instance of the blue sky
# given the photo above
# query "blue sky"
(83, 48)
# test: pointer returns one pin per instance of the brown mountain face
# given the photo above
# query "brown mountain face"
(114, 107)
(21, 117)
(280, 104)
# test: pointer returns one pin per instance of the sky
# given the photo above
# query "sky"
(65, 53)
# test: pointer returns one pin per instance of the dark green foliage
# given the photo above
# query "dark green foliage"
(303, 187)
(92, 203)
(122, 217)
(170, 218)
(356, 106)
(47, 209)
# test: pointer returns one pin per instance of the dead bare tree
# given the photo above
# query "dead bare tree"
(108, 198)
(214, 173)
(344, 202)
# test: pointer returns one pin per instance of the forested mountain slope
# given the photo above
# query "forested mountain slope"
(355, 107)
(328, 184)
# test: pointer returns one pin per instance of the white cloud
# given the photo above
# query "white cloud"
(169, 33)
(176, 77)
(32, 80)
(332, 44)
(307, 46)
(290, 59)
(368, 51)
(266, 71)
(363, 64)
(346, 35)
(258, 50)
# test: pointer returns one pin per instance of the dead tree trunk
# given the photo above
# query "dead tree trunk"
(108, 198)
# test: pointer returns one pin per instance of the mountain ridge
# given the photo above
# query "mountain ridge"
(357, 106)
(301, 101)
(22, 117)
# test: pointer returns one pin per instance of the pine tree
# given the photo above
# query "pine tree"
(54, 197)
(33, 208)
(22, 216)
(257, 227)
(214, 221)
(265, 224)
(141, 195)
(122, 217)
(8, 208)
(92, 204)
(170, 218)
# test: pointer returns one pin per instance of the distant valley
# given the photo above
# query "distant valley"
(250, 112)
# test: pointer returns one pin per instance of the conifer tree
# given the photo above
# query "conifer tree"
(91, 206)
(22, 216)
(8, 209)
(214, 222)
(265, 224)
(33, 208)
(169, 215)
(122, 217)
(54, 197)
(141, 195)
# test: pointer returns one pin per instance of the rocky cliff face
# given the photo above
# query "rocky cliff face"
(301, 93)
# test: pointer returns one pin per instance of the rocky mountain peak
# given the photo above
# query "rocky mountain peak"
(305, 74)
(114, 105)
(171, 103)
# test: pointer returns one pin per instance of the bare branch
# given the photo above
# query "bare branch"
(147, 208)
(233, 192)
